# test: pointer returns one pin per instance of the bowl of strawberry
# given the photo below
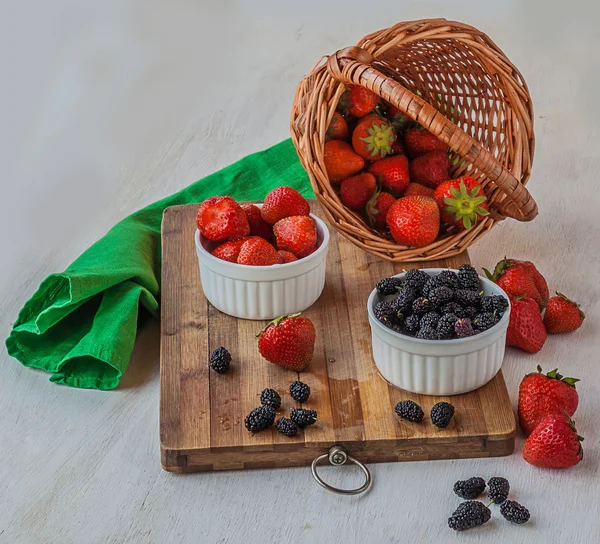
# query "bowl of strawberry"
(438, 332)
(260, 261)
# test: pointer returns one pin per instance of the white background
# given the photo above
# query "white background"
(107, 106)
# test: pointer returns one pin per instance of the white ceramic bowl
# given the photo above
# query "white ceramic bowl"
(438, 367)
(263, 292)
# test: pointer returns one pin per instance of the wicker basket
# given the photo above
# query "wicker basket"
(454, 81)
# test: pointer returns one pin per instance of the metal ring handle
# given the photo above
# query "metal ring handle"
(338, 456)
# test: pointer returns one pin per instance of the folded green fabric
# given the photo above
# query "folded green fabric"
(81, 325)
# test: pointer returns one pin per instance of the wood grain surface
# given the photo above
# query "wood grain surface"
(202, 412)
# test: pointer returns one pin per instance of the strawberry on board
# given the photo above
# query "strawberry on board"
(520, 278)
(430, 169)
(257, 252)
(221, 218)
(229, 251)
(341, 161)
(357, 101)
(562, 315)
(283, 202)
(377, 209)
(356, 191)
(338, 128)
(419, 141)
(258, 226)
(288, 342)
(526, 328)
(541, 395)
(297, 234)
(391, 173)
(373, 137)
(462, 202)
(554, 443)
(414, 189)
(414, 220)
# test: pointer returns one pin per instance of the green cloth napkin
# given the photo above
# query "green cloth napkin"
(81, 325)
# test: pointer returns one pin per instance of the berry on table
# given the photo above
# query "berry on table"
(498, 489)
(286, 426)
(259, 419)
(463, 328)
(514, 512)
(469, 514)
(485, 321)
(468, 298)
(388, 286)
(446, 325)
(562, 315)
(270, 397)
(410, 410)
(219, 360)
(440, 296)
(412, 323)
(421, 306)
(441, 415)
(468, 278)
(430, 319)
(303, 417)
(299, 391)
(494, 303)
(469, 489)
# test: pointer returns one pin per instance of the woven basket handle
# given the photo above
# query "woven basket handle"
(353, 66)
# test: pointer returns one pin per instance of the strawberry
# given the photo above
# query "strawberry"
(286, 257)
(418, 142)
(430, 169)
(258, 226)
(297, 234)
(525, 328)
(391, 173)
(414, 220)
(554, 443)
(462, 202)
(373, 137)
(357, 101)
(229, 251)
(257, 252)
(288, 342)
(377, 209)
(541, 395)
(356, 191)
(562, 315)
(340, 160)
(400, 122)
(520, 278)
(338, 128)
(283, 202)
(398, 147)
(220, 218)
(418, 189)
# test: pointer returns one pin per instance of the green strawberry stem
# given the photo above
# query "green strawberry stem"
(465, 206)
(276, 322)
(380, 139)
(501, 267)
(572, 302)
(555, 375)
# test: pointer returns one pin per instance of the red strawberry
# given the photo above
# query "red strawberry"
(562, 315)
(418, 142)
(414, 189)
(258, 226)
(357, 101)
(400, 122)
(391, 173)
(356, 191)
(462, 202)
(288, 342)
(541, 395)
(554, 443)
(398, 147)
(296, 234)
(414, 220)
(377, 209)
(430, 169)
(220, 218)
(283, 202)
(520, 278)
(257, 252)
(525, 328)
(340, 160)
(229, 251)
(338, 128)
(286, 257)
(373, 137)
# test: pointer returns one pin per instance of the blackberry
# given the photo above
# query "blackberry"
(470, 312)
(396, 326)
(453, 308)
(448, 279)
(402, 304)
(412, 323)
(385, 312)
(299, 391)
(428, 333)
(494, 303)
(302, 417)
(515, 512)
(440, 296)
(485, 321)
(430, 319)
(441, 415)
(407, 409)
(421, 306)
(498, 489)
(416, 279)
(286, 426)
(219, 360)
(469, 514)
(432, 283)
(260, 418)
(463, 328)
(445, 326)
(388, 286)
(468, 278)
(270, 397)
(469, 489)
(468, 298)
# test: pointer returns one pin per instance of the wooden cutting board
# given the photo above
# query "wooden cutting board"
(202, 413)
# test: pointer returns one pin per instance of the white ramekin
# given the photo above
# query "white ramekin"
(438, 367)
(263, 292)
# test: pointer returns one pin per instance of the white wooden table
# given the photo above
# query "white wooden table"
(107, 106)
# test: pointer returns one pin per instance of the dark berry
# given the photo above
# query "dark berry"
(513, 511)
(463, 328)
(453, 308)
(471, 312)
(421, 306)
(485, 321)
(440, 296)
(448, 279)
(219, 360)
(286, 426)
(469, 489)
(384, 312)
(445, 326)
(299, 391)
(303, 417)
(430, 319)
(416, 279)
(468, 298)
(402, 304)
(270, 397)
(260, 418)
(407, 409)
(428, 333)
(498, 489)
(493, 303)
(388, 286)
(412, 323)
(396, 326)
(431, 284)
(468, 278)
(441, 414)
(469, 514)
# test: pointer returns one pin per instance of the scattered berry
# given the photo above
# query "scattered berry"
(270, 397)
(286, 426)
(388, 286)
(441, 415)
(498, 489)
(430, 319)
(468, 298)
(410, 410)
(562, 315)
(260, 418)
(494, 303)
(463, 328)
(219, 360)
(428, 333)
(446, 325)
(421, 306)
(469, 514)
(526, 327)
(514, 512)
(468, 278)
(469, 489)
(299, 391)
(485, 321)
(440, 296)
(303, 417)
(412, 323)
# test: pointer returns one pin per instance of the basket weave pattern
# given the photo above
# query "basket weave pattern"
(455, 82)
